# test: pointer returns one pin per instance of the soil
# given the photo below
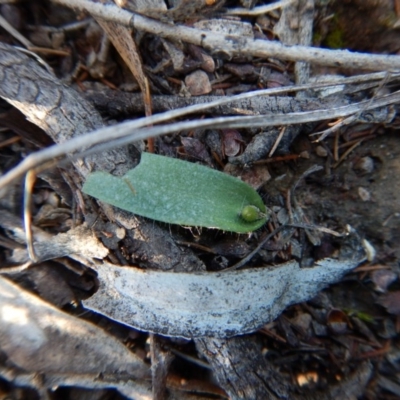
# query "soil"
(373, 212)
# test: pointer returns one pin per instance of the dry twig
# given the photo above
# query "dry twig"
(118, 135)
(234, 45)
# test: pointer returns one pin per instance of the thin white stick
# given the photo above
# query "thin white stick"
(259, 10)
(13, 32)
(277, 141)
(121, 134)
(238, 45)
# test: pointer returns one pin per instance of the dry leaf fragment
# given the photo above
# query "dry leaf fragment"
(383, 278)
(232, 141)
(195, 148)
(391, 301)
(338, 321)
(121, 38)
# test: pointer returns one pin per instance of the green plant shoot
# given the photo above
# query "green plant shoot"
(179, 192)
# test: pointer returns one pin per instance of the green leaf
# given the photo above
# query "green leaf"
(179, 192)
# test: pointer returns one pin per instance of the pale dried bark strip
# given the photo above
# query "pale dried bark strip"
(208, 304)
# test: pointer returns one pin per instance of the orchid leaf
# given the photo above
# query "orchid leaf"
(179, 192)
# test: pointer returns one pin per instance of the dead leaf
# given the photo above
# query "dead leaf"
(207, 304)
(382, 279)
(195, 148)
(391, 301)
(232, 141)
(338, 321)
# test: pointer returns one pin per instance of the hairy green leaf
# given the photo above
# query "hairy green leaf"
(179, 192)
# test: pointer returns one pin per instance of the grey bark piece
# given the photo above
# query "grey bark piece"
(245, 374)
(117, 103)
(262, 143)
(295, 27)
(209, 304)
(37, 337)
(249, 377)
(79, 241)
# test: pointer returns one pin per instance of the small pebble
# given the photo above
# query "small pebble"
(198, 83)
(321, 151)
(208, 63)
(305, 154)
(302, 321)
(364, 194)
(365, 165)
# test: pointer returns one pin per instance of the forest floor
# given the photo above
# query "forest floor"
(73, 78)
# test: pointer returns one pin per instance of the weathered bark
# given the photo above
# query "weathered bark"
(244, 373)
(242, 370)
(117, 103)
(63, 114)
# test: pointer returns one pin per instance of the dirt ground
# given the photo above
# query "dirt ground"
(339, 342)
